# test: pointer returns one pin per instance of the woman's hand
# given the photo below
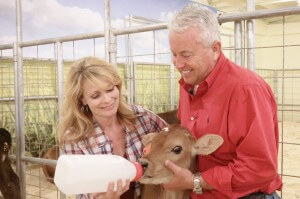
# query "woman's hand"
(111, 194)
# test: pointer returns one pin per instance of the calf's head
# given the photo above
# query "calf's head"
(5, 143)
(173, 143)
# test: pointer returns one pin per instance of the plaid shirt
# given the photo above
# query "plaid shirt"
(99, 143)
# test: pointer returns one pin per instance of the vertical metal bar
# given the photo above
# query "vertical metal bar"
(110, 38)
(230, 45)
(19, 102)
(60, 78)
(130, 68)
(133, 80)
(107, 28)
(276, 84)
(37, 52)
(19, 119)
(244, 44)
(60, 81)
(73, 50)
(282, 96)
(127, 66)
(238, 42)
(172, 88)
(154, 75)
(251, 37)
(113, 49)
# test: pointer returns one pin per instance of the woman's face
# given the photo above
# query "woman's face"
(103, 101)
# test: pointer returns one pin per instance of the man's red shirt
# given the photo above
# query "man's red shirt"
(238, 105)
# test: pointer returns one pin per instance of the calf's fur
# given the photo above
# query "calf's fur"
(9, 181)
(49, 170)
(170, 117)
(174, 143)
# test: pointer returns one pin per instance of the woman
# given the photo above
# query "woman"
(96, 120)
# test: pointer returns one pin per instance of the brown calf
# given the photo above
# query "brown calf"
(49, 170)
(9, 181)
(176, 144)
(170, 117)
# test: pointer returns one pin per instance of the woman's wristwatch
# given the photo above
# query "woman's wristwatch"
(197, 187)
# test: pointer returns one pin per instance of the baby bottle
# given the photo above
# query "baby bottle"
(79, 174)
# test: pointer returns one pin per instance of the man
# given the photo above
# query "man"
(219, 97)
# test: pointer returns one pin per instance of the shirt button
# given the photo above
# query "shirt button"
(192, 118)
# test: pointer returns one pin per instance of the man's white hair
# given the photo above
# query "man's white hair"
(198, 16)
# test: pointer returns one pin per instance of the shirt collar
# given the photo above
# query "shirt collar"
(205, 84)
(212, 76)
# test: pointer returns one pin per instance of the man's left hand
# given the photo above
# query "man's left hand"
(182, 179)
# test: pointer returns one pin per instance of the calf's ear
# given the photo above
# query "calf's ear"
(148, 138)
(207, 144)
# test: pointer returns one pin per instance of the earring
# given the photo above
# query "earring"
(85, 108)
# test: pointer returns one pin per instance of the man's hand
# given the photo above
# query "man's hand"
(182, 179)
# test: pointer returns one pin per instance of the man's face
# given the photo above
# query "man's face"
(191, 57)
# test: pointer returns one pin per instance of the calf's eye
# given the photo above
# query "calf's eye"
(177, 149)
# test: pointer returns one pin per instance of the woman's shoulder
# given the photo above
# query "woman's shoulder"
(143, 112)
(147, 119)
(139, 110)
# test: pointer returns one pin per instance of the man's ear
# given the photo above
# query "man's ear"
(207, 144)
(216, 48)
(148, 138)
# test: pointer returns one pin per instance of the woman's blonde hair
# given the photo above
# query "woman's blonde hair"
(76, 120)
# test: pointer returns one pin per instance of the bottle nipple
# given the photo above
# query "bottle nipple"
(139, 171)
